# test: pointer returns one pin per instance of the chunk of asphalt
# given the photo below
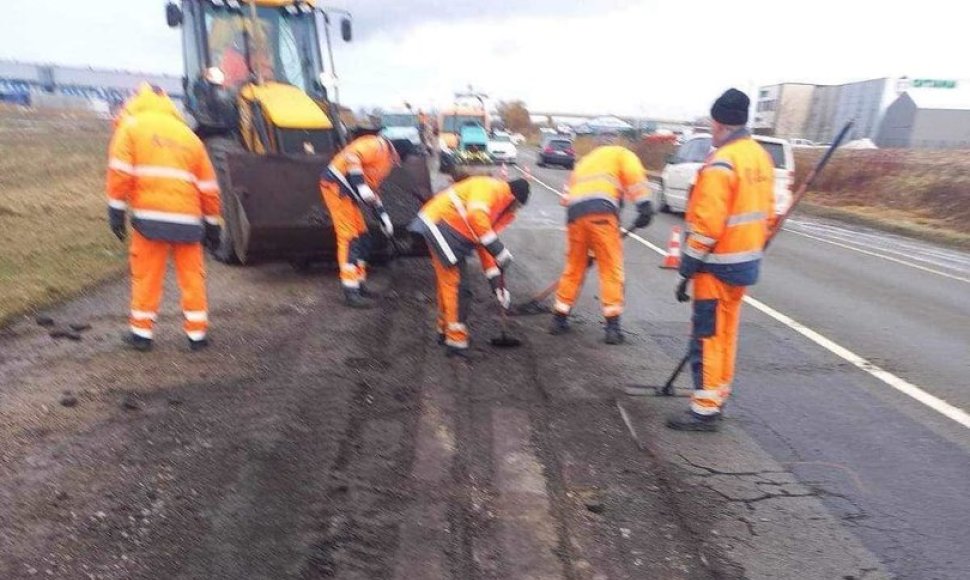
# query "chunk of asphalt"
(45, 321)
(64, 333)
(130, 403)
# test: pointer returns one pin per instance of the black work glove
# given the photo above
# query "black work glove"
(645, 216)
(116, 219)
(681, 292)
(213, 236)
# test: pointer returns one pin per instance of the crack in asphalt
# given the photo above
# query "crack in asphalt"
(712, 471)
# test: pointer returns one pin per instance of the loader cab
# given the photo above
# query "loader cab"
(227, 51)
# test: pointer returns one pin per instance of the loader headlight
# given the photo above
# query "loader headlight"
(215, 76)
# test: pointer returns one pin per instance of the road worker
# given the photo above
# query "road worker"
(349, 185)
(159, 171)
(597, 189)
(462, 219)
(729, 215)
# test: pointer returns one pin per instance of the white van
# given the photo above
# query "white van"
(680, 172)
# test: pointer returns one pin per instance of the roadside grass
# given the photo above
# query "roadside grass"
(925, 193)
(54, 240)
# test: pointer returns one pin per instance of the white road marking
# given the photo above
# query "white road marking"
(882, 256)
(903, 386)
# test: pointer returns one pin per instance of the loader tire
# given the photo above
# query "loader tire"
(219, 147)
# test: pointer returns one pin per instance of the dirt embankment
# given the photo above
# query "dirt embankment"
(927, 190)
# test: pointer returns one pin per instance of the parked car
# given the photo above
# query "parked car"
(502, 149)
(680, 172)
(557, 151)
(802, 143)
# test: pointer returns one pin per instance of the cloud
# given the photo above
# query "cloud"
(650, 57)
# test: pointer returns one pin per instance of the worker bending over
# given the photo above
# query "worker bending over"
(464, 218)
(160, 171)
(597, 189)
(729, 215)
(349, 185)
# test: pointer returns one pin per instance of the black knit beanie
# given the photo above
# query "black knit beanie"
(520, 190)
(731, 108)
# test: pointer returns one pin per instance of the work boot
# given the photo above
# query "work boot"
(135, 342)
(454, 351)
(197, 345)
(690, 421)
(366, 292)
(614, 334)
(441, 339)
(560, 324)
(355, 299)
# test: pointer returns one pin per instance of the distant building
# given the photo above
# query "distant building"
(782, 110)
(26, 83)
(820, 125)
(609, 124)
(818, 112)
(928, 118)
(863, 103)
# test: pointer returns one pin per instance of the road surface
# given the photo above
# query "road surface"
(315, 441)
(846, 327)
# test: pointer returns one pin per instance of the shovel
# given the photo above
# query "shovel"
(504, 340)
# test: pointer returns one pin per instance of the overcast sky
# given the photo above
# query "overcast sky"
(658, 58)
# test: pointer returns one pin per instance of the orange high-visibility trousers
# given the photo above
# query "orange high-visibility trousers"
(148, 259)
(454, 298)
(351, 230)
(599, 234)
(714, 341)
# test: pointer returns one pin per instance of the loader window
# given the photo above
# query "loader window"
(283, 45)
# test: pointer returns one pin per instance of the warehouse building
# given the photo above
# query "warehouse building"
(100, 89)
(783, 110)
(817, 112)
(928, 118)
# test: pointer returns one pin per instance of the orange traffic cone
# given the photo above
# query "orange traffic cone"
(672, 259)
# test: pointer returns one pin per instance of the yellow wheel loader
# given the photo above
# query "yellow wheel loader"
(258, 93)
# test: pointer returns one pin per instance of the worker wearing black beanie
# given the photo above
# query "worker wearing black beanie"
(729, 213)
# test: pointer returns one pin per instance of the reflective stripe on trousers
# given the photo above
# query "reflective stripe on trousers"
(599, 234)
(454, 299)
(351, 231)
(147, 259)
(714, 341)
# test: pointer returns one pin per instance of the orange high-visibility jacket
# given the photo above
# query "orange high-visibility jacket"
(730, 212)
(160, 170)
(467, 217)
(603, 179)
(368, 159)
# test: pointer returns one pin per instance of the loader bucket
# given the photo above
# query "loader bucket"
(277, 212)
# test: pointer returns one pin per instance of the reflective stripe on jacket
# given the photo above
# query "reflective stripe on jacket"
(160, 171)
(466, 217)
(603, 179)
(730, 212)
